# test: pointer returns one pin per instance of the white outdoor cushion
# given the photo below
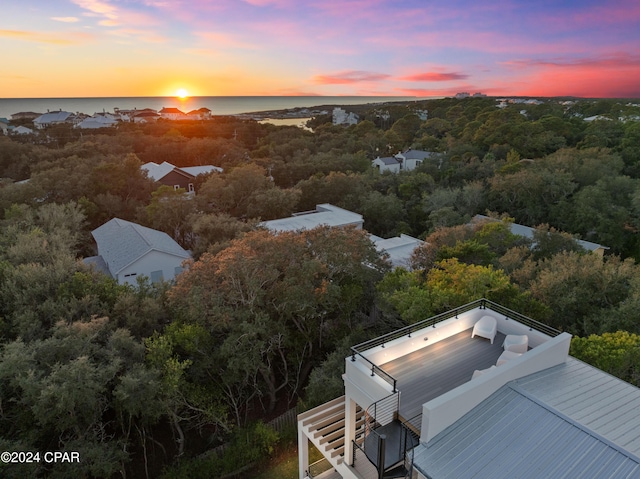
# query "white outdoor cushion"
(517, 343)
(507, 356)
(480, 372)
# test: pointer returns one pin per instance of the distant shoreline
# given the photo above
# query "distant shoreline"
(220, 106)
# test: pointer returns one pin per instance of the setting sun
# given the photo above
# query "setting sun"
(182, 93)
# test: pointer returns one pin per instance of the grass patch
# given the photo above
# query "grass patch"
(284, 464)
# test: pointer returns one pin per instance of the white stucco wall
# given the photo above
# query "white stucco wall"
(444, 410)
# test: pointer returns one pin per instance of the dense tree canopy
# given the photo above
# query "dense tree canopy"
(136, 377)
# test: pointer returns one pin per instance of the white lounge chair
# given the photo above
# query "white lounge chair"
(517, 343)
(486, 327)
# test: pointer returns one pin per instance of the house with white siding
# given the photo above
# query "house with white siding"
(127, 251)
(408, 160)
(53, 118)
(172, 114)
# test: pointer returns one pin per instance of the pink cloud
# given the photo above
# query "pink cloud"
(435, 76)
(349, 77)
(613, 60)
(264, 3)
(587, 80)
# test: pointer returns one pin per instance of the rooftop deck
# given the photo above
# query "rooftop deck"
(433, 370)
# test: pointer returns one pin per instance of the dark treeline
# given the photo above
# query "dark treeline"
(142, 380)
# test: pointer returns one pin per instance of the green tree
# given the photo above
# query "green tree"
(448, 285)
(580, 289)
(276, 301)
(56, 394)
(529, 195)
(169, 211)
(617, 353)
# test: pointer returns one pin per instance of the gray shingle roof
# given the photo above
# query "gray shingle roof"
(55, 116)
(201, 170)
(389, 160)
(158, 171)
(121, 242)
(98, 264)
(571, 421)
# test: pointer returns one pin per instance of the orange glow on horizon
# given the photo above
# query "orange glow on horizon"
(182, 93)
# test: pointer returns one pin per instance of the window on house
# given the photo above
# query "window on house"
(176, 187)
(130, 274)
(191, 188)
(156, 276)
(178, 270)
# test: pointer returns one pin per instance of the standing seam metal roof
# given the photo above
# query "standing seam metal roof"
(570, 421)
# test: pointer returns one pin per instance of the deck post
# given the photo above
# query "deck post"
(303, 453)
(349, 429)
(380, 460)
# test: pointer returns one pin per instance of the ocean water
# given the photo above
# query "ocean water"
(219, 105)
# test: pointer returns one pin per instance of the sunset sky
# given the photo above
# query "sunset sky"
(85, 48)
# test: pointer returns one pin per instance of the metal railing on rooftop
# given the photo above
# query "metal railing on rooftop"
(521, 318)
(432, 321)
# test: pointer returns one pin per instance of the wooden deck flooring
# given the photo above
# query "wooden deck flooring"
(438, 368)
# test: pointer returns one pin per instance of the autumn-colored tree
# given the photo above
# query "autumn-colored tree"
(277, 300)
(418, 295)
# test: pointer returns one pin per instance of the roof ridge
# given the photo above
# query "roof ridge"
(513, 384)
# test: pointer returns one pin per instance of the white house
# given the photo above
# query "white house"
(172, 114)
(144, 116)
(53, 118)
(22, 130)
(399, 248)
(324, 215)
(387, 163)
(478, 392)
(408, 160)
(97, 121)
(199, 114)
(128, 250)
(341, 117)
(411, 159)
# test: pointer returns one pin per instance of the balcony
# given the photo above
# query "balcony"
(431, 364)
(426, 371)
